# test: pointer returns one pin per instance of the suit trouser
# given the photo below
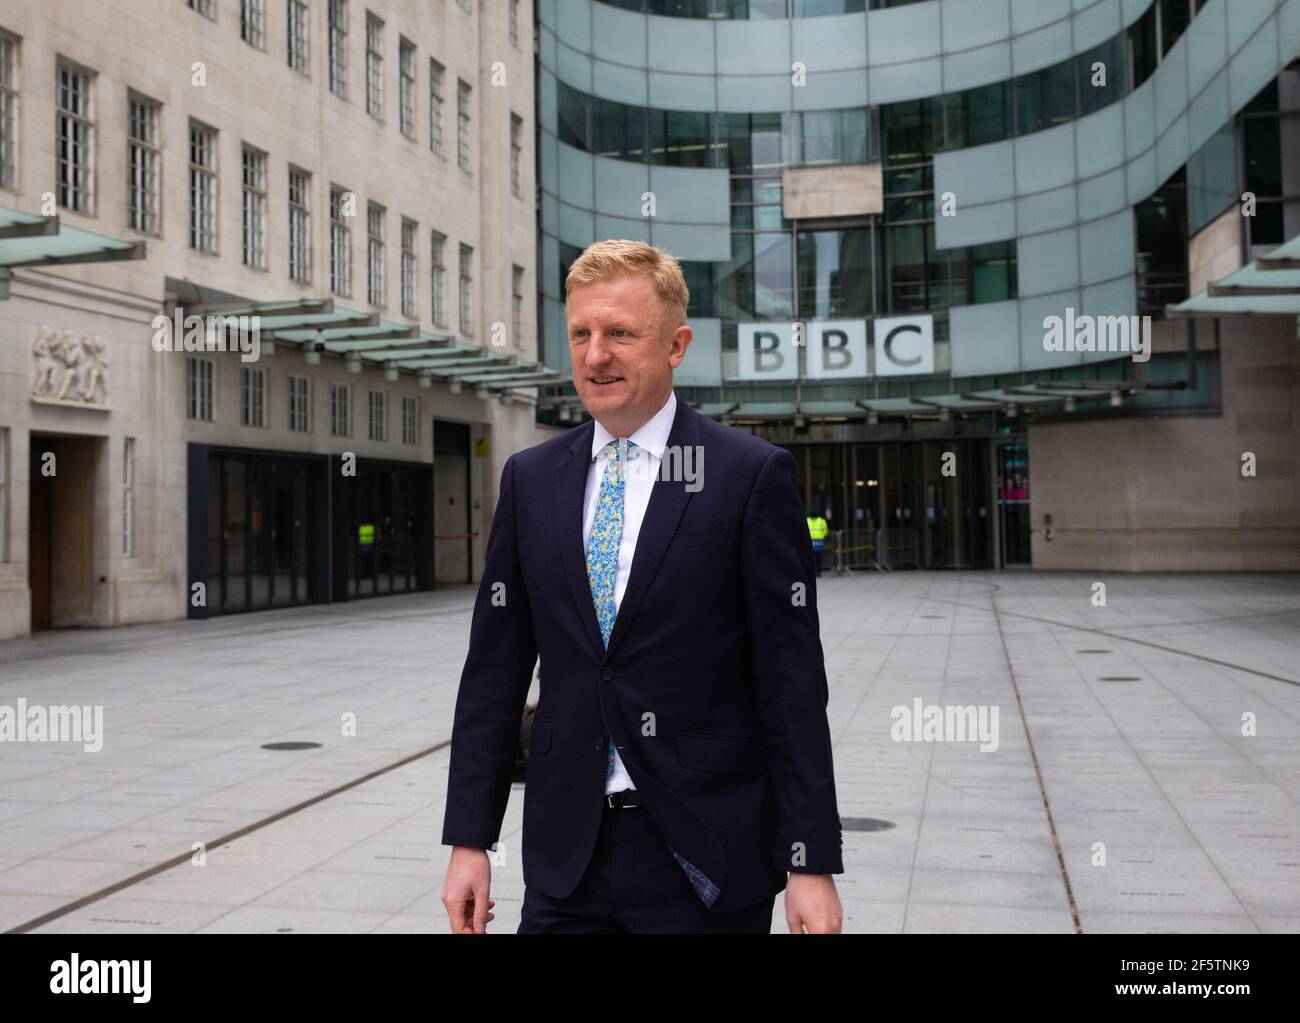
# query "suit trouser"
(634, 885)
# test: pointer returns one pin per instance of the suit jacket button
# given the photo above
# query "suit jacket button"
(607, 673)
(600, 744)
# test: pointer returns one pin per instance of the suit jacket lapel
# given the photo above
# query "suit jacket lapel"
(667, 503)
(570, 489)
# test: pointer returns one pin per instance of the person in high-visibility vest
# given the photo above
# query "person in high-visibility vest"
(817, 529)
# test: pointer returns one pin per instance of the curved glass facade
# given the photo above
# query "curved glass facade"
(913, 129)
(752, 9)
(927, 234)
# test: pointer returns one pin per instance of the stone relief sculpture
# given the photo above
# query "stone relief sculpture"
(70, 369)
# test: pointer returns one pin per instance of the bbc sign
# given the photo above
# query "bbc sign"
(837, 349)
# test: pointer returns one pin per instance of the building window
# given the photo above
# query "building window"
(462, 123)
(410, 419)
(516, 155)
(8, 111)
(517, 303)
(375, 254)
(128, 497)
(437, 278)
(436, 73)
(409, 231)
(340, 410)
(143, 163)
(299, 403)
(514, 22)
(378, 421)
(340, 242)
(254, 209)
(203, 187)
(339, 48)
(204, 7)
(406, 87)
(75, 127)
(297, 20)
(374, 67)
(834, 273)
(251, 26)
(4, 493)
(200, 389)
(299, 226)
(252, 396)
(466, 264)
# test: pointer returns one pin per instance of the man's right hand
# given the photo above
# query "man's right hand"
(465, 891)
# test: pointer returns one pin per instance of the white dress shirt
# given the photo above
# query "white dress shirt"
(640, 472)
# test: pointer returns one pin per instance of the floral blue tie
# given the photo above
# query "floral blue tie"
(602, 573)
(602, 550)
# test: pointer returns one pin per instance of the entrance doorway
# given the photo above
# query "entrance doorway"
(453, 522)
(1012, 485)
(936, 495)
(61, 555)
(262, 532)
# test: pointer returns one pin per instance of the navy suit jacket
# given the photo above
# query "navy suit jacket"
(713, 685)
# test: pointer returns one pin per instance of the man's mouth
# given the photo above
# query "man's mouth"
(605, 381)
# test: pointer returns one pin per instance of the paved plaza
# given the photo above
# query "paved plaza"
(1146, 774)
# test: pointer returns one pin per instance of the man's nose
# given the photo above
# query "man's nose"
(599, 351)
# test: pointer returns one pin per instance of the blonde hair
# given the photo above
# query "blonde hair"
(616, 258)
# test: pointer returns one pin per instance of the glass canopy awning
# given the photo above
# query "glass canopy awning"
(1268, 286)
(1041, 394)
(28, 240)
(317, 327)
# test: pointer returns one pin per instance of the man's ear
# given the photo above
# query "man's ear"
(680, 341)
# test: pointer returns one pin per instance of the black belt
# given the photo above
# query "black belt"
(626, 799)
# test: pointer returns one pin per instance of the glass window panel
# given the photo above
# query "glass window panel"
(905, 268)
(1101, 86)
(834, 274)
(993, 272)
(571, 117)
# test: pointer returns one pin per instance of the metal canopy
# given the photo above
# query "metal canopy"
(714, 409)
(1250, 280)
(1202, 305)
(894, 406)
(302, 328)
(763, 410)
(829, 408)
(267, 310)
(1270, 286)
(1285, 257)
(462, 364)
(29, 240)
(1039, 394)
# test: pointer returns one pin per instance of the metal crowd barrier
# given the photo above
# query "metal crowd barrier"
(852, 549)
(897, 547)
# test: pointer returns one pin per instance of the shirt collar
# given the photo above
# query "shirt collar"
(652, 436)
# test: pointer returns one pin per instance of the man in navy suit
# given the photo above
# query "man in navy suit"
(679, 769)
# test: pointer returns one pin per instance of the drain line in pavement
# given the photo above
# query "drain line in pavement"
(1038, 771)
(176, 861)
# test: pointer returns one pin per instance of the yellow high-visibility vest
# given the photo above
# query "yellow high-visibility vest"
(817, 527)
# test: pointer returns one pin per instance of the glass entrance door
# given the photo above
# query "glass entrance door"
(1012, 485)
(260, 532)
